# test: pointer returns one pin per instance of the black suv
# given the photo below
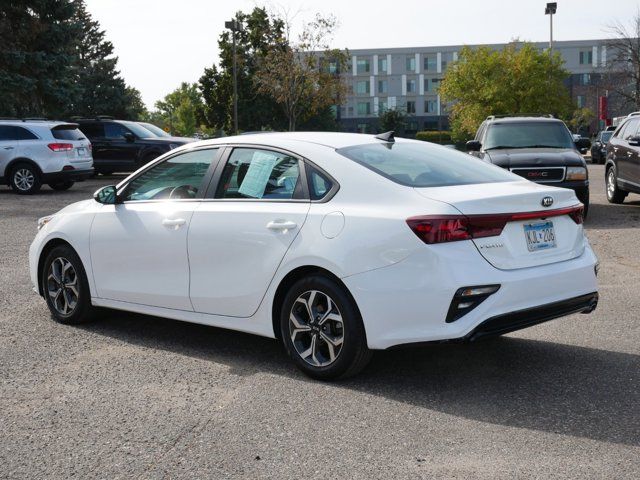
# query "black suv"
(599, 146)
(124, 146)
(622, 165)
(540, 149)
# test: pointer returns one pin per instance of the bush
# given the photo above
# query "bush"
(435, 136)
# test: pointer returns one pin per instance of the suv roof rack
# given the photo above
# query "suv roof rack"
(96, 118)
(633, 114)
(512, 115)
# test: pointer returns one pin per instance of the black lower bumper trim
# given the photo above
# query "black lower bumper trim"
(64, 175)
(510, 322)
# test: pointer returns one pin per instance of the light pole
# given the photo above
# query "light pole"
(551, 10)
(234, 26)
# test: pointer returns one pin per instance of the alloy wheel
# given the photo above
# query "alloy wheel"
(24, 179)
(611, 183)
(316, 328)
(62, 286)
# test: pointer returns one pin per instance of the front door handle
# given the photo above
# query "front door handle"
(629, 154)
(8, 148)
(174, 223)
(615, 149)
(282, 225)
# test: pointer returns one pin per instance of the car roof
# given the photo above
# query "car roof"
(524, 119)
(275, 139)
(35, 123)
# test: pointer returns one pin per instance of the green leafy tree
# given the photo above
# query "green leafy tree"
(392, 119)
(581, 118)
(256, 111)
(303, 77)
(182, 110)
(517, 79)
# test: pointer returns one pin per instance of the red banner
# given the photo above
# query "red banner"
(602, 108)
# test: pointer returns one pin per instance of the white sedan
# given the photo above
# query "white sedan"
(336, 244)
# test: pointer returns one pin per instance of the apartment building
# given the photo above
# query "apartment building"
(408, 78)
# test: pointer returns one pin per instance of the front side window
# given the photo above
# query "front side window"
(630, 129)
(417, 164)
(178, 177)
(260, 174)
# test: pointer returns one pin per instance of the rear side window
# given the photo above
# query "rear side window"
(65, 133)
(11, 132)
(319, 184)
(419, 164)
(114, 130)
(92, 130)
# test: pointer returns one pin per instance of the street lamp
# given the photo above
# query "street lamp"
(551, 10)
(234, 26)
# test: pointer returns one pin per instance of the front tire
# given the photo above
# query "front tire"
(25, 179)
(614, 193)
(322, 330)
(61, 186)
(65, 287)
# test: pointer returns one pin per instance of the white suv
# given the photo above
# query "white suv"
(33, 152)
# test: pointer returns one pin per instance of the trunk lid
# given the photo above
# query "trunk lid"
(536, 240)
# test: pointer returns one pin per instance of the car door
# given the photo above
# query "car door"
(139, 245)
(8, 148)
(625, 153)
(120, 151)
(239, 236)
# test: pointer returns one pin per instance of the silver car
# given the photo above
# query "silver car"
(34, 152)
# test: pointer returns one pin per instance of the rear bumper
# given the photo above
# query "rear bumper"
(65, 175)
(408, 302)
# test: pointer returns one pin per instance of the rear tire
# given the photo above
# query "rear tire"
(60, 186)
(322, 329)
(614, 193)
(25, 179)
(65, 287)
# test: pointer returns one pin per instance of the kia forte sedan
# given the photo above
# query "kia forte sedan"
(336, 244)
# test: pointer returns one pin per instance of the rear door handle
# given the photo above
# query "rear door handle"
(8, 148)
(615, 149)
(175, 223)
(282, 225)
(629, 154)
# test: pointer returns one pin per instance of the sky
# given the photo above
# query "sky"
(161, 43)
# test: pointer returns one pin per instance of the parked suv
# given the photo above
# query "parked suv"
(599, 147)
(540, 149)
(622, 166)
(33, 152)
(124, 146)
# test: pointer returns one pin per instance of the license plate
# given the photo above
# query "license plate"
(82, 151)
(540, 236)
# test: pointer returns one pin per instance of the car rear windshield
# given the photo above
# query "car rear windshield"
(420, 164)
(528, 135)
(67, 133)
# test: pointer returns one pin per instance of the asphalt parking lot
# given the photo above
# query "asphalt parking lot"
(137, 396)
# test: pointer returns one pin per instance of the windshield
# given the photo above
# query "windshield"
(138, 130)
(420, 164)
(605, 136)
(157, 131)
(528, 135)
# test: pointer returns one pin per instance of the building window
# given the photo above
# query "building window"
(363, 66)
(431, 84)
(382, 86)
(382, 105)
(382, 64)
(581, 101)
(411, 63)
(431, 125)
(411, 86)
(585, 79)
(430, 106)
(430, 63)
(364, 108)
(362, 87)
(411, 106)
(412, 127)
(586, 57)
(333, 67)
(363, 128)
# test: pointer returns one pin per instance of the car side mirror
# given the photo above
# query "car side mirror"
(106, 195)
(582, 143)
(634, 141)
(473, 146)
(129, 137)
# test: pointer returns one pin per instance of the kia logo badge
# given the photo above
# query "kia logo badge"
(547, 201)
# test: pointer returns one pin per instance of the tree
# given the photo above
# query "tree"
(582, 117)
(256, 111)
(182, 110)
(303, 77)
(517, 79)
(623, 64)
(392, 119)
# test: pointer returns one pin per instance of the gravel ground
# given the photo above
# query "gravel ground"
(137, 396)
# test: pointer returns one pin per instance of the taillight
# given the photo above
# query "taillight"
(61, 147)
(452, 228)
